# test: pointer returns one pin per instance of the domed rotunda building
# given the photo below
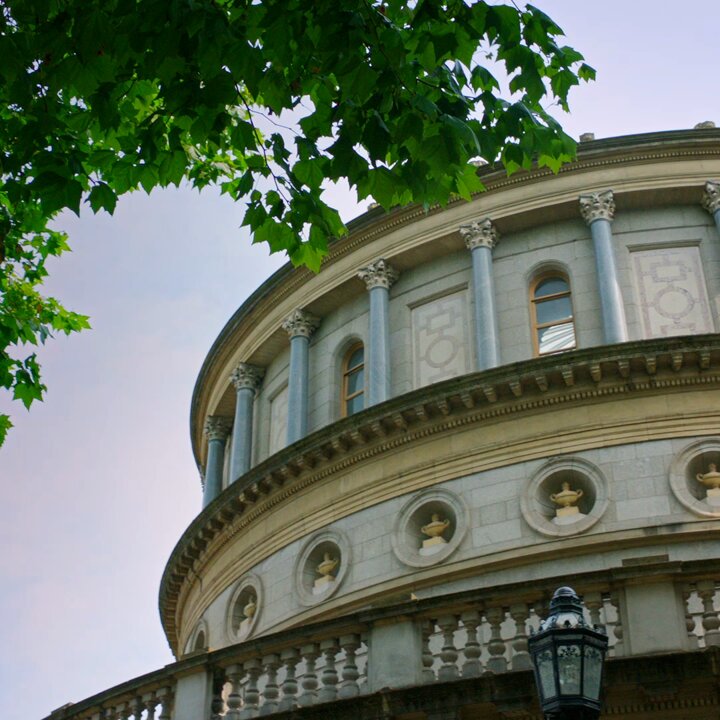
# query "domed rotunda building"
(406, 454)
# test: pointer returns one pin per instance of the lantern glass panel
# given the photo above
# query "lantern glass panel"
(569, 662)
(546, 674)
(592, 672)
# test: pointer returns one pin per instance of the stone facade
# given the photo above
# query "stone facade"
(379, 561)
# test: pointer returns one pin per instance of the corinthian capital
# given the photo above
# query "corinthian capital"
(217, 427)
(247, 376)
(597, 206)
(378, 274)
(300, 323)
(480, 233)
(711, 196)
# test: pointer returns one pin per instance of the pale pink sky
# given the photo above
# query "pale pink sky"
(99, 481)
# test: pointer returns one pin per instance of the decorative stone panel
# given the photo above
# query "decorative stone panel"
(278, 421)
(542, 499)
(689, 490)
(440, 339)
(671, 291)
(416, 542)
(244, 608)
(313, 582)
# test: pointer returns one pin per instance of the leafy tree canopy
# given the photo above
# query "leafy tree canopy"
(101, 97)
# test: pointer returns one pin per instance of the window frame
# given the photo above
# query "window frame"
(533, 302)
(346, 372)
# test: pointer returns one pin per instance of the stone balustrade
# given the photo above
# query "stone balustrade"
(422, 641)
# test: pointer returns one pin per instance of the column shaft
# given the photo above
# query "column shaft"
(214, 470)
(611, 301)
(297, 420)
(379, 346)
(242, 433)
(487, 342)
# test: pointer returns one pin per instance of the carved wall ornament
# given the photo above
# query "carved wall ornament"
(567, 499)
(325, 570)
(247, 376)
(480, 233)
(217, 427)
(694, 477)
(378, 274)
(434, 531)
(244, 607)
(448, 522)
(326, 554)
(597, 206)
(574, 484)
(300, 323)
(711, 196)
(711, 480)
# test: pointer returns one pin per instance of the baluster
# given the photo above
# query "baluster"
(329, 676)
(496, 645)
(150, 702)
(521, 657)
(593, 602)
(109, 713)
(251, 696)
(350, 674)
(687, 592)
(427, 628)
(617, 628)
(234, 675)
(449, 654)
(165, 697)
(271, 692)
(472, 667)
(710, 619)
(122, 711)
(309, 680)
(290, 658)
(137, 707)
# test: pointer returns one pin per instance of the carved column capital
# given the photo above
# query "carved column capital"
(378, 274)
(300, 323)
(480, 233)
(217, 427)
(597, 206)
(711, 196)
(247, 376)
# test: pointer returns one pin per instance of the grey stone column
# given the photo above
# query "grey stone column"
(246, 379)
(378, 277)
(217, 428)
(299, 326)
(711, 200)
(480, 238)
(598, 210)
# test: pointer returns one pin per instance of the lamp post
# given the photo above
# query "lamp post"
(567, 656)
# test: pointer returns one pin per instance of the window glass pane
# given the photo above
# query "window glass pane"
(551, 286)
(356, 358)
(592, 672)
(556, 338)
(546, 674)
(355, 381)
(569, 669)
(552, 310)
(355, 404)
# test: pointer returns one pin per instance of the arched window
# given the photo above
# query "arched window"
(552, 314)
(353, 381)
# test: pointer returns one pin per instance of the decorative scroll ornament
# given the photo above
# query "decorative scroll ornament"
(597, 206)
(480, 233)
(711, 196)
(300, 323)
(247, 376)
(378, 274)
(217, 427)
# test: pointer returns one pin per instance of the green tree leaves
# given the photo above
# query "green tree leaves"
(266, 100)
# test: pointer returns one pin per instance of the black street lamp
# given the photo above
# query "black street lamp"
(567, 656)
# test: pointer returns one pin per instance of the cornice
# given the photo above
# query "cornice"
(587, 375)
(376, 223)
